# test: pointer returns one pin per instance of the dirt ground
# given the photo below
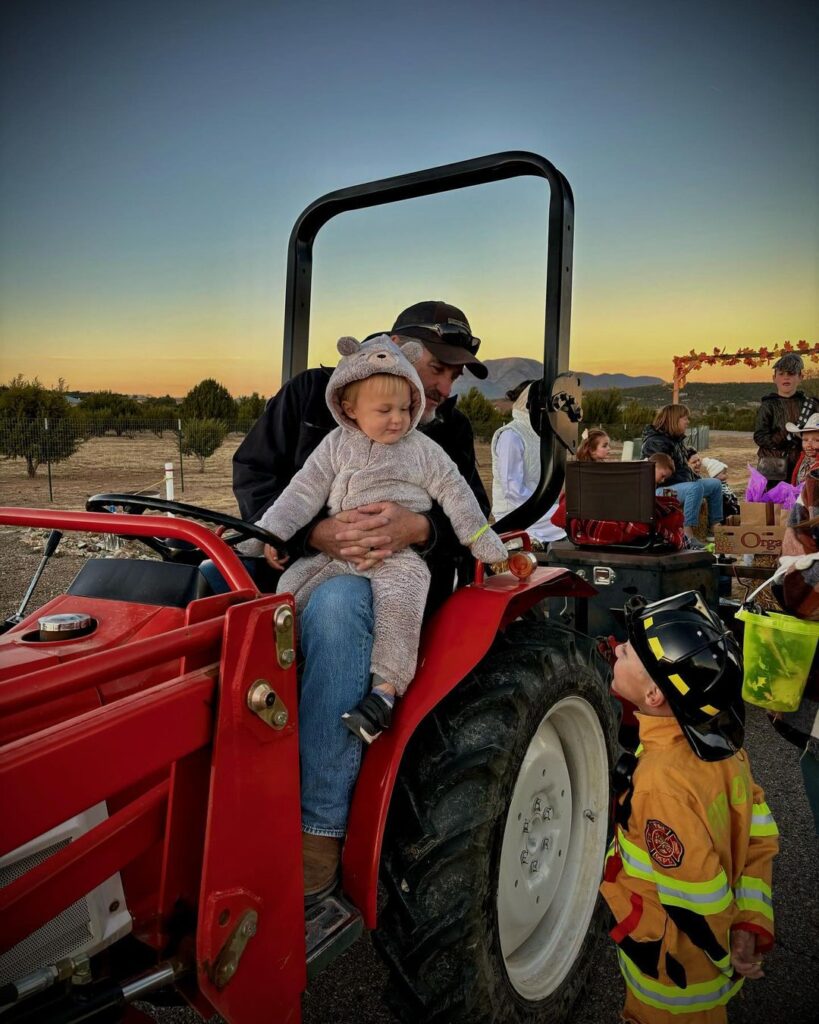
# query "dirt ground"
(122, 464)
(350, 992)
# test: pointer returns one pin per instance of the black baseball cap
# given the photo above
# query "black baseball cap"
(445, 331)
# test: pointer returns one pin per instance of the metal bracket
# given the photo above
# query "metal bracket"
(285, 641)
(603, 576)
(231, 953)
(263, 701)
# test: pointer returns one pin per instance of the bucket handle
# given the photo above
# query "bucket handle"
(799, 562)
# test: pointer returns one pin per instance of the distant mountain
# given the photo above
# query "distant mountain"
(504, 374)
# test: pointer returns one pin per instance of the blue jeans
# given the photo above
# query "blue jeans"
(216, 581)
(336, 633)
(336, 630)
(691, 494)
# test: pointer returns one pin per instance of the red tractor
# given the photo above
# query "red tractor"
(149, 772)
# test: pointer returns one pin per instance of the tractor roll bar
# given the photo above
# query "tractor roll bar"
(137, 526)
(448, 177)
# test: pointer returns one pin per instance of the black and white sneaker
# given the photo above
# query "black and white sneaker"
(369, 718)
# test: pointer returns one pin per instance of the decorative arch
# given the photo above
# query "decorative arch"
(687, 364)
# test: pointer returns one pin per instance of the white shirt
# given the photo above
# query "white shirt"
(515, 474)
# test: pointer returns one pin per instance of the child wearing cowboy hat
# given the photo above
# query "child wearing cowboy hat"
(809, 435)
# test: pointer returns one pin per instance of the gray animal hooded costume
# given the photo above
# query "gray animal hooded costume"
(347, 470)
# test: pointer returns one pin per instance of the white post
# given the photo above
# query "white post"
(169, 481)
(628, 451)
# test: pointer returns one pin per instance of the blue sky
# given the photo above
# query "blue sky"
(153, 158)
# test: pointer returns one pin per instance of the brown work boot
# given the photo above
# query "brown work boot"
(321, 856)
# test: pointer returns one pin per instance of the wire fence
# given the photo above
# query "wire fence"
(39, 443)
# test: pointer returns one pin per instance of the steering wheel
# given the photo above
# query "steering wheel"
(170, 548)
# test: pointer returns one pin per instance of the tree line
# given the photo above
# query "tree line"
(38, 424)
(622, 416)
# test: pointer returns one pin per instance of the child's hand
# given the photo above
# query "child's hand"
(271, 556)
(744, 958)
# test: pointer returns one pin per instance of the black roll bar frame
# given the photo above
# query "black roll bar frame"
(447, 178)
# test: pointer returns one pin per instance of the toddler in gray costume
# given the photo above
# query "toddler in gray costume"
(376, 454)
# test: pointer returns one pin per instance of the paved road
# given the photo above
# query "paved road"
(350, 991)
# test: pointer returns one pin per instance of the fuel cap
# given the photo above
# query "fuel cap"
(65, 626)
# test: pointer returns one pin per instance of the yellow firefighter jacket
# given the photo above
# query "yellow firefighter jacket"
(690, 860)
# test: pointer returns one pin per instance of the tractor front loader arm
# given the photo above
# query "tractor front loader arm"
(197, 775)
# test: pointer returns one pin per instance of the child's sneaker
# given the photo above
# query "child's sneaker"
(369, 718)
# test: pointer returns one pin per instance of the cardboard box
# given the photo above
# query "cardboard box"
(763, 513)
(750, 539)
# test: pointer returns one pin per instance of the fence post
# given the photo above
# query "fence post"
(169, 481)
(48, 460)
(181, 470)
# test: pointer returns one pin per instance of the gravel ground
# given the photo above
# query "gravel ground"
(350, 991)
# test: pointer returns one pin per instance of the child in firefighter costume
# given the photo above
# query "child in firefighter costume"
(688, 874)
(376, 454)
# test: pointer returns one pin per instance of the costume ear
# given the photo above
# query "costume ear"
(412, 350)
(348, 346)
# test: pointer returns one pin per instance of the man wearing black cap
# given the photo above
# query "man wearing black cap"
(297, 418)
(335, 628)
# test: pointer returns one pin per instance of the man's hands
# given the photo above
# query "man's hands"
(744, 958)
(367, 535)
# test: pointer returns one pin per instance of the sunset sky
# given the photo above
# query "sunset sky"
(154, 155)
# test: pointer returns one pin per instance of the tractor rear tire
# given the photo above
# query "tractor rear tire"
(497, 835)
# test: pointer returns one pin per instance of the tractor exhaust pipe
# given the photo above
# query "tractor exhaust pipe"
(53, 540)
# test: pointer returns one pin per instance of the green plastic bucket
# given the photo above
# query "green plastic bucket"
(778, 652)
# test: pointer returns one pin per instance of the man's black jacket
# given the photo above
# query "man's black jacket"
(292, 425)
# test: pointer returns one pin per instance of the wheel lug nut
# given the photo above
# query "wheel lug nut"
(533, 866)
(525, 824)
(524, 856)
(547, 813)
(546, 844)
(536, 806)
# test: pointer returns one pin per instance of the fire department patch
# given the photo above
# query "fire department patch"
(663, 844)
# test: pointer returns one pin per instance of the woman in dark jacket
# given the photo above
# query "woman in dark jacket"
(667, 434)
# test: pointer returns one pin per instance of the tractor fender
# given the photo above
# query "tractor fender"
(453, 642)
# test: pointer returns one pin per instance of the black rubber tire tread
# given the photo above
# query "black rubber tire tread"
(438, 931)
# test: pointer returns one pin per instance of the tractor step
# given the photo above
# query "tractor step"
(331, 927)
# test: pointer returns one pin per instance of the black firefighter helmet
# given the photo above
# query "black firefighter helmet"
(697, 665)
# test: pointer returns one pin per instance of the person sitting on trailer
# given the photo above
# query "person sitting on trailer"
(667, 434)
(718, 470)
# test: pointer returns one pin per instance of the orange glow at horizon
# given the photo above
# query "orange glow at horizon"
(168, 351)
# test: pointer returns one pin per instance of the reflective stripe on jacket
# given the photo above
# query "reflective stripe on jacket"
(690, 861)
